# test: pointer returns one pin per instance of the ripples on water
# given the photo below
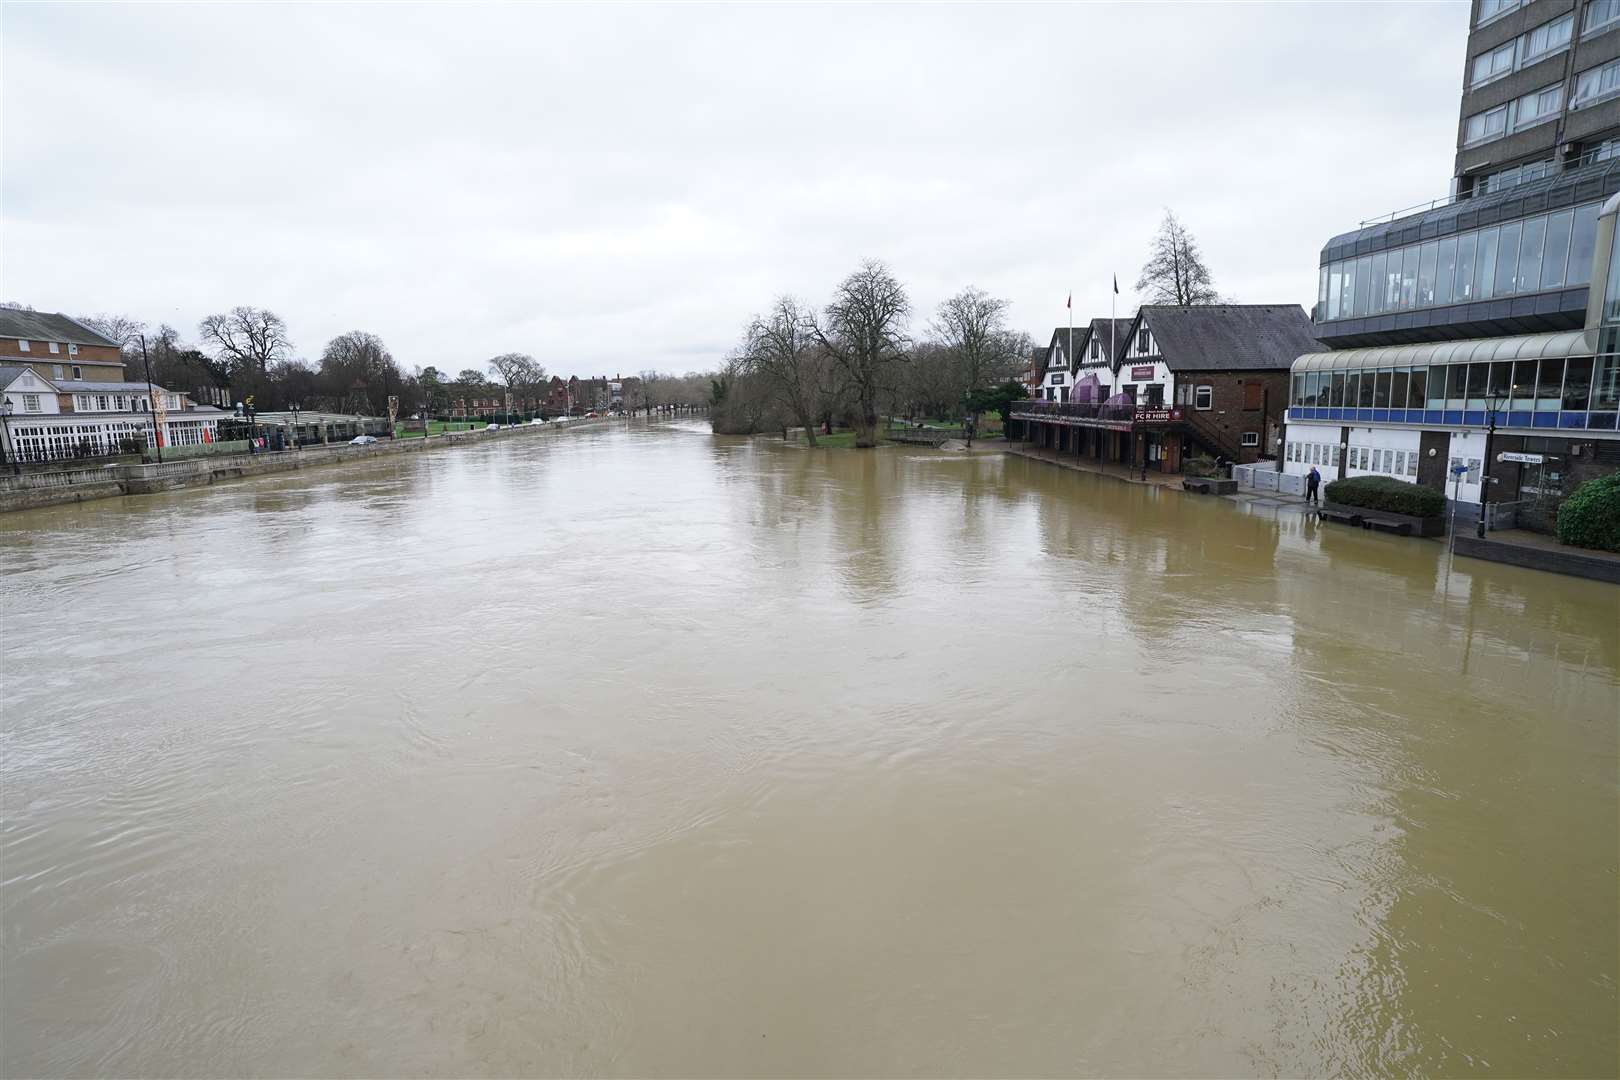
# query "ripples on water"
(644, 752)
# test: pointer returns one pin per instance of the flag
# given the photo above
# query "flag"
(1116, 284)
(1069, 303)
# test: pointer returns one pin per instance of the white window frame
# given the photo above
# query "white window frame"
(1610, 14)
(56, 370)
(1498, 8)
(54, 347)
(1597, 74)
(1525, 57)
(31, 403)
(22, 345)
(73, 350)
(77, 374)
(1516, 115)
(1486, 134)
(1204, 393)
(1498, 70)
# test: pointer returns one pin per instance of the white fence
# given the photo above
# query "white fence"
(1263, 476)
(65, 478)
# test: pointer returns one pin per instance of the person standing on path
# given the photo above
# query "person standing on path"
(1313, 480)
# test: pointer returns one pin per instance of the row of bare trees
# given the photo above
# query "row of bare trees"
(853, 360)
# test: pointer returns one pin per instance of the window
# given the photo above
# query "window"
(101, 403)
(54, 347)
(1538, 106)
(73, 350)
(1507, 257)
(1493, 65)
(1595, 84)
(1545, 39)
(1530, 248)
(120, 403)
(1494, 9)
(1251, 438)
(1600, 14)
(56, 371)
(77, 374)
(22, 346)
(1464, 287)
(1490, 124)
(1400, 462)
(1582, 242)
(1409, 276)
(1254, 396)
(1446, 270)
(30, 403)
(1142, 340)
(1094, 348)
(1557, 250)
(1204, 398)
(1411, 463)
(1426, 264)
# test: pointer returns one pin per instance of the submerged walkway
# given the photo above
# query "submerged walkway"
(1270, 500)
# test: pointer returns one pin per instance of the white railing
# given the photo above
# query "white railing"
(61, 479)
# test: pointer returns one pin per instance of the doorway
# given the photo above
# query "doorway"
(1432, 460)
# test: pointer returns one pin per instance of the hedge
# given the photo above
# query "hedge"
(1590, 518)
(1387, 494)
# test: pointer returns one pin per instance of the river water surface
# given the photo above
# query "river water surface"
(642, 752)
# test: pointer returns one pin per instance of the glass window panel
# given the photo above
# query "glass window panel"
(1485, 264)
(1365, 394)
(1363, 285)
(1606, 384)
(1313, 382)
(1478, 378)
(1336, 391)
(1524, 385)
(1397, 388)
(1611, 299)
(1298, 395)
(1577, 381)
(1429, 388)
(1456, 385)
(1507, 258)
(1550, 386)
(1464, 288)
(1445, 270)
(1348, 297)
(1376, 282)
(1426, 263)
(1352, 384)
(1557, 251)
(1381, 390)
(1321, 297)
(1501, 383)
(1335, 287)
(1535, 236)
(1409, 274)
(1582, 242)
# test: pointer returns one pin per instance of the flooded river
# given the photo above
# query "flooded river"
(642, 752)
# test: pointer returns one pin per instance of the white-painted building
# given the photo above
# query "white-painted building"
(49, 420)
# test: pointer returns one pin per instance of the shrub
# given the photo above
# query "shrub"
(1387, 494)
(1199, 465)
(1590, 518)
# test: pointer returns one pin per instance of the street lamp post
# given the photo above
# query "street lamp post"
(293, 408)
(151, 400)
(1495, 403)
(5, 437)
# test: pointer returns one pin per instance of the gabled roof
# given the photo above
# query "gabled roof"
(48, 326)
(10, 373)
(1060, 343)
(1228, 337)
(1121, 333)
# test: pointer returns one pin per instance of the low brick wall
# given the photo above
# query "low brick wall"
(1570, 561)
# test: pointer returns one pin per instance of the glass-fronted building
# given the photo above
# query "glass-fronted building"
(1537, 411)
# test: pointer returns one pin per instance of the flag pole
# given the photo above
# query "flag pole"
(1070, 364)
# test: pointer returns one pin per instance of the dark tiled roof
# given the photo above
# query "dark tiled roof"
(1121, 328)
(1230, 337)
(48, 326)
(1060, 341)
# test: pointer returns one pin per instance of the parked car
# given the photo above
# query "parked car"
(536, 422)
(362, 440)
(492, 427)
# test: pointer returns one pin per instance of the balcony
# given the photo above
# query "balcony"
(1094, 414)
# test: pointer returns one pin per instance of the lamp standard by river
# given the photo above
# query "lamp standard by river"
(293, 408)
(1494, 401)
(5, 437)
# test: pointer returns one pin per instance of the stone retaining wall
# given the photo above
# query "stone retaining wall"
(55, 487)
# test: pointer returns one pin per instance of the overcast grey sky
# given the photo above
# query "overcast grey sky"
(612, 188)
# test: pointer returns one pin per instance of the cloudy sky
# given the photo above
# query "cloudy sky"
(612, 188)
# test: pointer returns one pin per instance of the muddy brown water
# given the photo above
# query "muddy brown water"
(644, 752)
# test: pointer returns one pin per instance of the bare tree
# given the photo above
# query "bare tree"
(519, 373)
(247, 338)
(1175, 272)
(863, 331)
(781, 348)
(359, 372)
(122, 330)
(973, 328)
(649, 390)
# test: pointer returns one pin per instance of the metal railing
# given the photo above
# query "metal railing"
(1581, 168)
(1080, 410)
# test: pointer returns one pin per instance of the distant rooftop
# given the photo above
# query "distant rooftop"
(48, 326)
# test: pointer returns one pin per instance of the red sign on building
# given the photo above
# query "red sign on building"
(1142, 372)
(1158, 416)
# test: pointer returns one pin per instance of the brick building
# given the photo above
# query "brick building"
(1208, 379)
